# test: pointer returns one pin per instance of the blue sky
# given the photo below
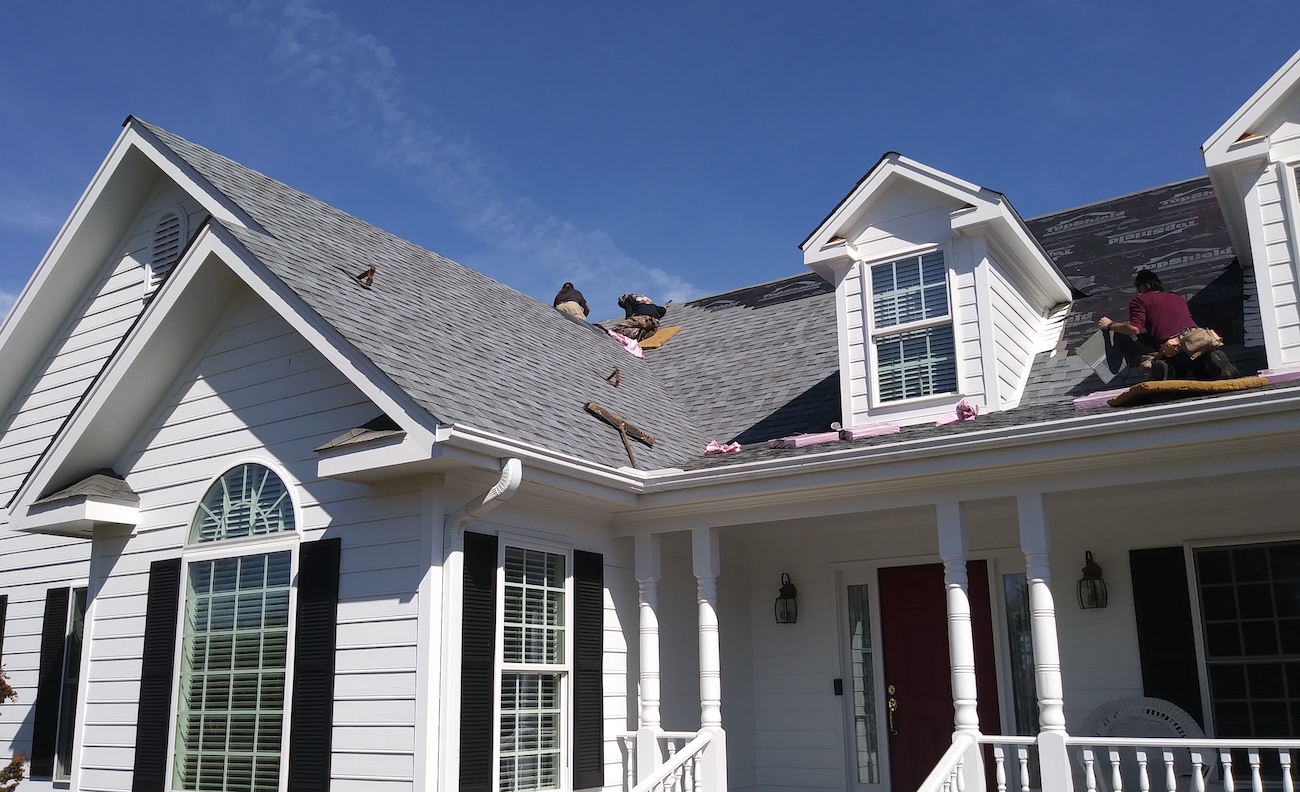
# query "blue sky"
(672, 148)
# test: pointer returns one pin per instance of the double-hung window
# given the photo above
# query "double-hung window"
(912, 329)
(534, 670)
(240, 562)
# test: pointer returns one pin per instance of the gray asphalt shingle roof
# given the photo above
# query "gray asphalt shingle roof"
(748, 365)
(467, 348)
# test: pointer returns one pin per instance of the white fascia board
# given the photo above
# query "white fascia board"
(152, 352)
(891, 166)
(1273, 91)
(78, 517)
(77, 254)
(380, 460)
(1160, 443)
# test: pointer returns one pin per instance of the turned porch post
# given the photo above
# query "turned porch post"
(1053, 758)
(961, 634)
(648, 573)
(705, 562)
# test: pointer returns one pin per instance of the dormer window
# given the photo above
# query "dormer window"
(168, 237)
(911, 328)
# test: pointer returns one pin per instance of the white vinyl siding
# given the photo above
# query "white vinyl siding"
(262, 390)
(1016, 327)
(91, 335)
(1276, 260)
(912, 331)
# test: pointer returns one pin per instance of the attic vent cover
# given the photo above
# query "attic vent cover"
(167, 240)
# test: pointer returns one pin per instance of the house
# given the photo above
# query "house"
(269, 525)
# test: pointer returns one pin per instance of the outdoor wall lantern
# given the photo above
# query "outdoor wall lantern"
(787, 609)
(1092, 589)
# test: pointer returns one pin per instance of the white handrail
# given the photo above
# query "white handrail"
(1177, 742)
(942, 776)
(692, 749)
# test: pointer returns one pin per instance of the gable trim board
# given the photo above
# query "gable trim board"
(121, 182)
(150, 359)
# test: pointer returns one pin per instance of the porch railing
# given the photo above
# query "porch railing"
(1015, 762)
(1137, 764)
(682, 754)
(950, 774)
(670, 744)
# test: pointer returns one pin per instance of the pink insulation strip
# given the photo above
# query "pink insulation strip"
(1272, 376)
(1098, 399)
(799, 441)
(874, 430)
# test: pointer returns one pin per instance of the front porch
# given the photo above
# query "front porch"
(766, 704)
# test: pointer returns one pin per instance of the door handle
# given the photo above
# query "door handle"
(892, 705)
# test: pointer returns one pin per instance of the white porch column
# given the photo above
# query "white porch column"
(648, 572)
(705, 563)
(961, 634)
(1054, 760)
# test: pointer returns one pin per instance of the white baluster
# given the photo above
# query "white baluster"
(1256, 783)
(1144, 782)
(1284, 757)
(1225, 758)
(960, 773)
(1089, 771)
(1024, 769)
(1198, 772)
(1171, 780)
(1000, 768)
(1116, 780)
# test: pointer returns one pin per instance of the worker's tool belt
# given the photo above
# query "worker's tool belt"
(1195, 341)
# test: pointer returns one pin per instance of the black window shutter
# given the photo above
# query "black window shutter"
(1166, 641)
(312, 719)
(4, 616)
(49, 682)
(588, 659)
(153, 716)
(477, 655)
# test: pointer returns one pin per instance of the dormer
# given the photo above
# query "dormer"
(1254, 164)
(942, 294)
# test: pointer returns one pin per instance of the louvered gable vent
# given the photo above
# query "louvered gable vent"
(168, 237)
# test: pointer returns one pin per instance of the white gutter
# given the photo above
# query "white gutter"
(512, 473)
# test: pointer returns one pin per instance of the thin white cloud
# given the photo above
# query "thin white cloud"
(358, 87)
(27, 211)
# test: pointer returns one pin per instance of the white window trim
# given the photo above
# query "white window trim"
(871, 332)
(234, 548)
(500, 666)
(1288, 172)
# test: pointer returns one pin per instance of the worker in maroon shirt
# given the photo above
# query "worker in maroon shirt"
(1163, 318)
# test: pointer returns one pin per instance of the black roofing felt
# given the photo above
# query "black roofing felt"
(1176, 231)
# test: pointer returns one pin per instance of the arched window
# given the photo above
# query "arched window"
(168, 238)
(249, 500)
(230, 726)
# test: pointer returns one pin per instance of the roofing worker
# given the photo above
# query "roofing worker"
(570, 301)
(1186, 351)
(641, 318)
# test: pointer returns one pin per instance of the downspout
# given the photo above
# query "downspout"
(511, 475)
(453, 570)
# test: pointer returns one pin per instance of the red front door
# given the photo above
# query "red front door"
(918, 687)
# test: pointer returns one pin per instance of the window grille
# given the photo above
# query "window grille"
(912, 328)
